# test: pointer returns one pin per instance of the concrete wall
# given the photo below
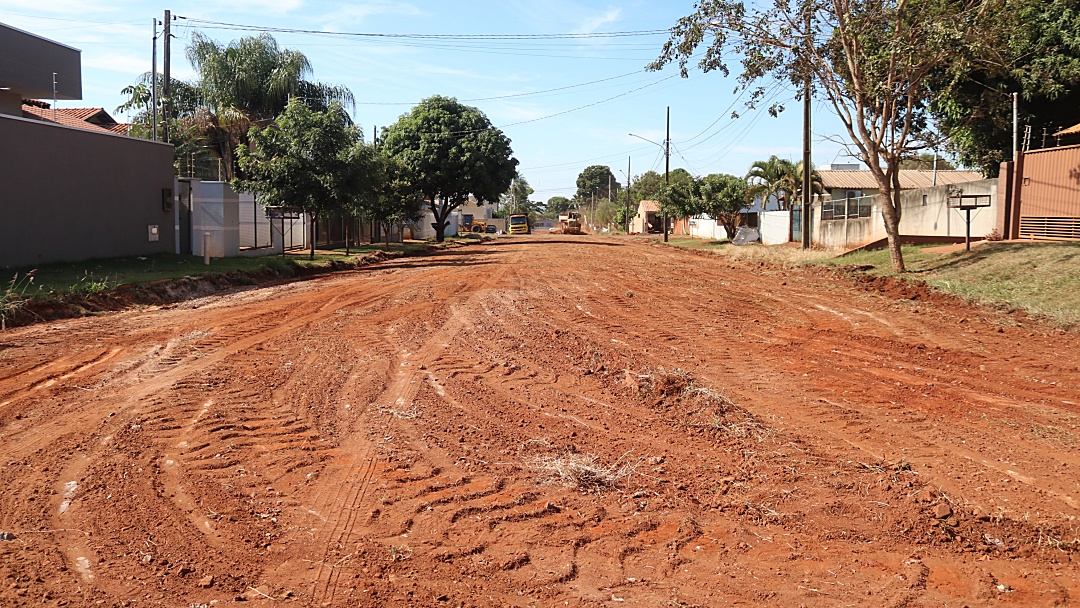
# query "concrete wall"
(707, 228)
(427, 232)
(27, 64)
(68, 194)
(926, 211)
(774, 226)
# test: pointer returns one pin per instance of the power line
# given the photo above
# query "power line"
(467, 37)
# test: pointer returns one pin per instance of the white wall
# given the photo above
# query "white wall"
(428, 232)
(773, 226)
(707, 228)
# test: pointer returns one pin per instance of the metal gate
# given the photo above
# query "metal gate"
(797, 224)
(254, 224)
(183, 210)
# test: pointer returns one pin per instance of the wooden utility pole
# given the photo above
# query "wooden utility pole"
(166, 90)
(806, 211)
(629, 179)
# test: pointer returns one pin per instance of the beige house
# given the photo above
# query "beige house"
(647, 219)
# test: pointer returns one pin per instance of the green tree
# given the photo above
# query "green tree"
(516, 198)
(248, 83)
(1041, 60)
(646, 187)
(594, 182)
(557, 205)
(769, 179)
(873, 61)
(315, 161)
(451, 150)
(678, 199)
(723, 198)
(926, 161)
(191, 148)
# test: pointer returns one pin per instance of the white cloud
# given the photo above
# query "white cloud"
(278, 7)
(118, 62)
(354, 14)
(594, 23)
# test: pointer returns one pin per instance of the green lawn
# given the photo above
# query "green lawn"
(1042, 279)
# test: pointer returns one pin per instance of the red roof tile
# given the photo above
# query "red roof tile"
(63, 116)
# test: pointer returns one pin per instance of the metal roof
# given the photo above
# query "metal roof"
(910, 179)
(1073, 130)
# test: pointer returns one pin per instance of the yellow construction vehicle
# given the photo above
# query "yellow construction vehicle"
(518, 223)
(468, 224)
(570, 222)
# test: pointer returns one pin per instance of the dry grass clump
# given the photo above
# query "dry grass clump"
(584, 471)
(401, 413)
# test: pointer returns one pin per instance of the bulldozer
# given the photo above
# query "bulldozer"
(468, 224)
(570, 222)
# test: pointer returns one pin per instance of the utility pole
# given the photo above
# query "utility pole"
(166, 106)
(626, 215)
(806, 213)
(153, 84)
(1016, 130)
(667, 165)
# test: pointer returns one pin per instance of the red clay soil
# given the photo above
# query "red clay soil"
(542, 421)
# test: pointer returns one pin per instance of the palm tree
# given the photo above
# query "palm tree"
(768, 179)
(248, 83)
(780, 178)
(793, 183)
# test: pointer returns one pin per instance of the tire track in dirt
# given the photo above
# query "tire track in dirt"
(348, 489)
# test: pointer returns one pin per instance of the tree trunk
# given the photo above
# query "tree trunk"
(314, 223)
(890, 204)
(440, 223)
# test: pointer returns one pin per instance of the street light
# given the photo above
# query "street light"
(626, 208)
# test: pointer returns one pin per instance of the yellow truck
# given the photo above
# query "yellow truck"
(518, 223)
(570, 223)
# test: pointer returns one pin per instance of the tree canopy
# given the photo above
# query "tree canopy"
(451, 150)
(243, 84)
(873, 61)
(557, 204)
(779, 179)
(315, 161)
(723, 197)
(646, 187)
(1040, 60)
(594, 181)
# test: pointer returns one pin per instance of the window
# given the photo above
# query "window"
(924, 200)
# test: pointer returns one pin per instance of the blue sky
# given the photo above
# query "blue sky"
(555, 133)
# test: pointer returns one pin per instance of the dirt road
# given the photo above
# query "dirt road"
(543, 421)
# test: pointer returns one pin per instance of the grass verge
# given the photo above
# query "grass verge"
(1041, 279)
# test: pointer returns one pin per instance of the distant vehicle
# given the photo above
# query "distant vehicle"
(570, 223)
(491, 229)
(468, 224)
(519, 224)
